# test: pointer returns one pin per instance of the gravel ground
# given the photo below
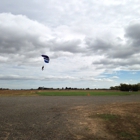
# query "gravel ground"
(47, 117)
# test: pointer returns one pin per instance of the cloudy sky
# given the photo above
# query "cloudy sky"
(90, 43)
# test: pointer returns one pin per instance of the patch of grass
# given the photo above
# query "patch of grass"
(125, 135)
(87, 128)
(18, 93)
(123, 122)
(125, 126)
(64, 93)
(84, 93)
(108, 117)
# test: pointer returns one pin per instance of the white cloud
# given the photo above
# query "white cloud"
(115, 77)
(83, 39)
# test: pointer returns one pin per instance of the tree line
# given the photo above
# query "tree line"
(127, 87)
(121, 87)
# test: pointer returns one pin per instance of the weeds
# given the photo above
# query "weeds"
(125, 126)
(108, 117)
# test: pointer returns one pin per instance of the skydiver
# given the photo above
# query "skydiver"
(42, 68)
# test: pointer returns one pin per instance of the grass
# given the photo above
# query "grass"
(118, 126)
(83, 93)
(18, 93)
(124, 126)
(108, 117)
(125, 135)
(64, 93)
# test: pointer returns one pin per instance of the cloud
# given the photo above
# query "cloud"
(58, 78)
(117, 55)
(71, 46)
(133, 34)
(133, 31)
(52, 78)
(16, 77)
(21, 38)
(115, 77)
(97, 45)
(83, 39)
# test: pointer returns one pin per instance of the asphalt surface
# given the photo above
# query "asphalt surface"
(46, 117)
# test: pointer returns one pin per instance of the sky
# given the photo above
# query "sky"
(91, 44)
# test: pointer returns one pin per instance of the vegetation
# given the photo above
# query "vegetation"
(122, 122)
(123, 89)
(127, 87)
(83, 93)
(108, 117)
(65, 93)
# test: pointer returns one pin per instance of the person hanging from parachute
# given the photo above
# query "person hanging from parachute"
(46, 60)
(42, 67)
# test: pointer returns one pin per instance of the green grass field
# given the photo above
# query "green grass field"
(83, 93)
(64, 93)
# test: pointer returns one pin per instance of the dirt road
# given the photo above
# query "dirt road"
(50, 118)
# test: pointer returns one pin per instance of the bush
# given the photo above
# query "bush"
(126, 87)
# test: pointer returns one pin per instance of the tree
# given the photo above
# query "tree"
(126, 87)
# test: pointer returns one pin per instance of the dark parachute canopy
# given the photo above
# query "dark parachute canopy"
(46, 60)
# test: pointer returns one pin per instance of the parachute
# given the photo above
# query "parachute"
(46, 60)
